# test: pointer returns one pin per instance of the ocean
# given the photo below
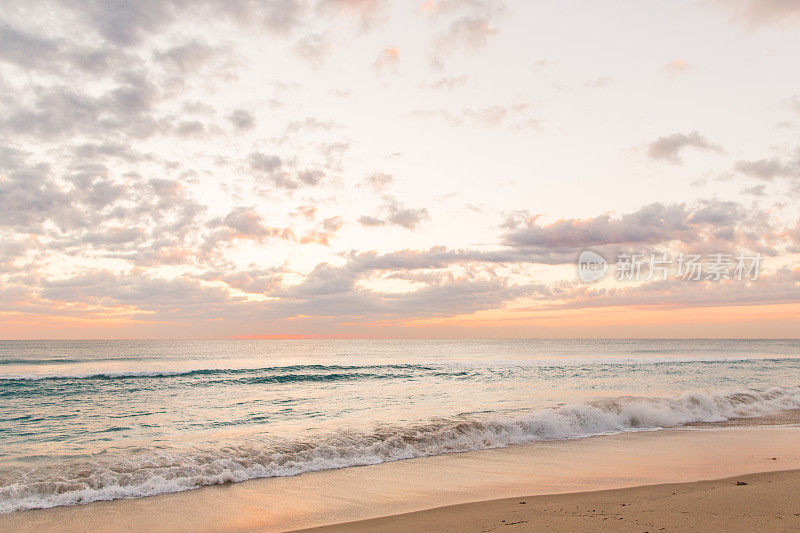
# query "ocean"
(82, 421)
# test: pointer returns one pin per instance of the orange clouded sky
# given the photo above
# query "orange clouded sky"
(326, 172)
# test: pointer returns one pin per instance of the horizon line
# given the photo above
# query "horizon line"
(344, 338)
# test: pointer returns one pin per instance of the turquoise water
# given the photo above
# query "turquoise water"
(92, 420)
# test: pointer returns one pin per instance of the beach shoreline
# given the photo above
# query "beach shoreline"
(386, 491)
(753, 502)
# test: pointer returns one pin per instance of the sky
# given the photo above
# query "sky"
(377, 168)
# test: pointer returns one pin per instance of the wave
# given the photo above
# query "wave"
(4, 361)
(160, 471)
(288, 370)
(383, 370)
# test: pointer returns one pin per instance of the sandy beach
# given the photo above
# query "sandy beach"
(756, 502)
(440, 491)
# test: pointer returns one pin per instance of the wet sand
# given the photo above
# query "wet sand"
(490, 477)
(756, 502)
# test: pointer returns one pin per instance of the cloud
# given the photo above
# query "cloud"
(25, 49)
(100, 151)
(387, 61)
(409, 218)
(125, 23)
(311, 176)
(468, 25)
(370, 221)
(278, 16)
(675, 293)
(128, 23)
(60, 110)
(265, 163)
(708, 224)
(333, 153)
(310, 124)
(340, 293)
(271, 167)
(334, 292)
(30, 199)
(368, 13)
(275, 170)
(118, 127)
(242, 223)
(242, 119)
(668, 148)
(309, 212)
(768, 169)
(473, 32)
(186, 58)
(449, 83)
(246, 223)
(87, 207)
(379, 180)
(176, 298)
(755, 190)
(323, 234)
(494, 115)
(794, 103)
(540, 64)
(447, 282)
(254, 280)
(676, 67)
(511, 116)
(313, 49)
(32, 51)
(190, 128)
(757, 13)
(599, 82)
(398, 214)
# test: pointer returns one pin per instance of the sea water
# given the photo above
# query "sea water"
(82, 421)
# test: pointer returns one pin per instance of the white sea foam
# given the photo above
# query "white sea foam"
(14, 371)
(159, 471)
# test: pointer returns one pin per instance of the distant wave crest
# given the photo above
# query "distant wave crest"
(279, 373)
(320, 372)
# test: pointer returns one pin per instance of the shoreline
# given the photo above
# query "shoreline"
(752, 502)
(378, 491)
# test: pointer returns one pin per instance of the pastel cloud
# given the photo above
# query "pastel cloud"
(757, 13)
(165, 169)
(387, 61)
(466, 25)
(668, 148)
(676, 67)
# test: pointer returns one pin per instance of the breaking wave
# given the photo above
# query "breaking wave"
(157, 471)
